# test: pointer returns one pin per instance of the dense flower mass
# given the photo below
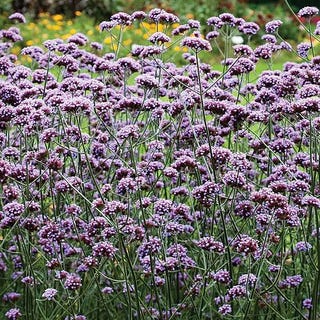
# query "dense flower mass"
(136, 186)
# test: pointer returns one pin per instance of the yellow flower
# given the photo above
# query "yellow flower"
(138, 32)
(57, 17)
(107, 40)
(180, 49)
(146, 25)
(45, 21)
(26, 58)
(44, 14)
(189, 15)
(90, 32)
(69, 23)
(78, 13)
(15, 50)
(54, 27)
(31, 25)
(127, 42)
(161, 27)
(66, 36)
(29, 42)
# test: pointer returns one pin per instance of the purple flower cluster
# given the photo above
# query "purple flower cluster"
(290, 282)
(196, 44)
(19, 17)
(308, 12)
(208, 243)
(49, 294)
(273, 26)
(13, 314)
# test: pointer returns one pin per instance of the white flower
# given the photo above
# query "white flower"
(237, 40)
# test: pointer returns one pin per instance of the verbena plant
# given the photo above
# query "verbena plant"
(133, 188)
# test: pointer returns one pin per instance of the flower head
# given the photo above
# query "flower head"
(196, 44)
(272, 26)
(72, 282)
(303, 49)
(159, 37)
(49, 294)
(249, 28)
(19, 17)
(121, 18)
(13, 314)
(290, 282)
(225, 309)
(308, 12)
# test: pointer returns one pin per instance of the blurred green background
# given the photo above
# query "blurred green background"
(259, 11)
(101, 9)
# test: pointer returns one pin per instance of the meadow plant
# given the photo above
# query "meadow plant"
(136, 188)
